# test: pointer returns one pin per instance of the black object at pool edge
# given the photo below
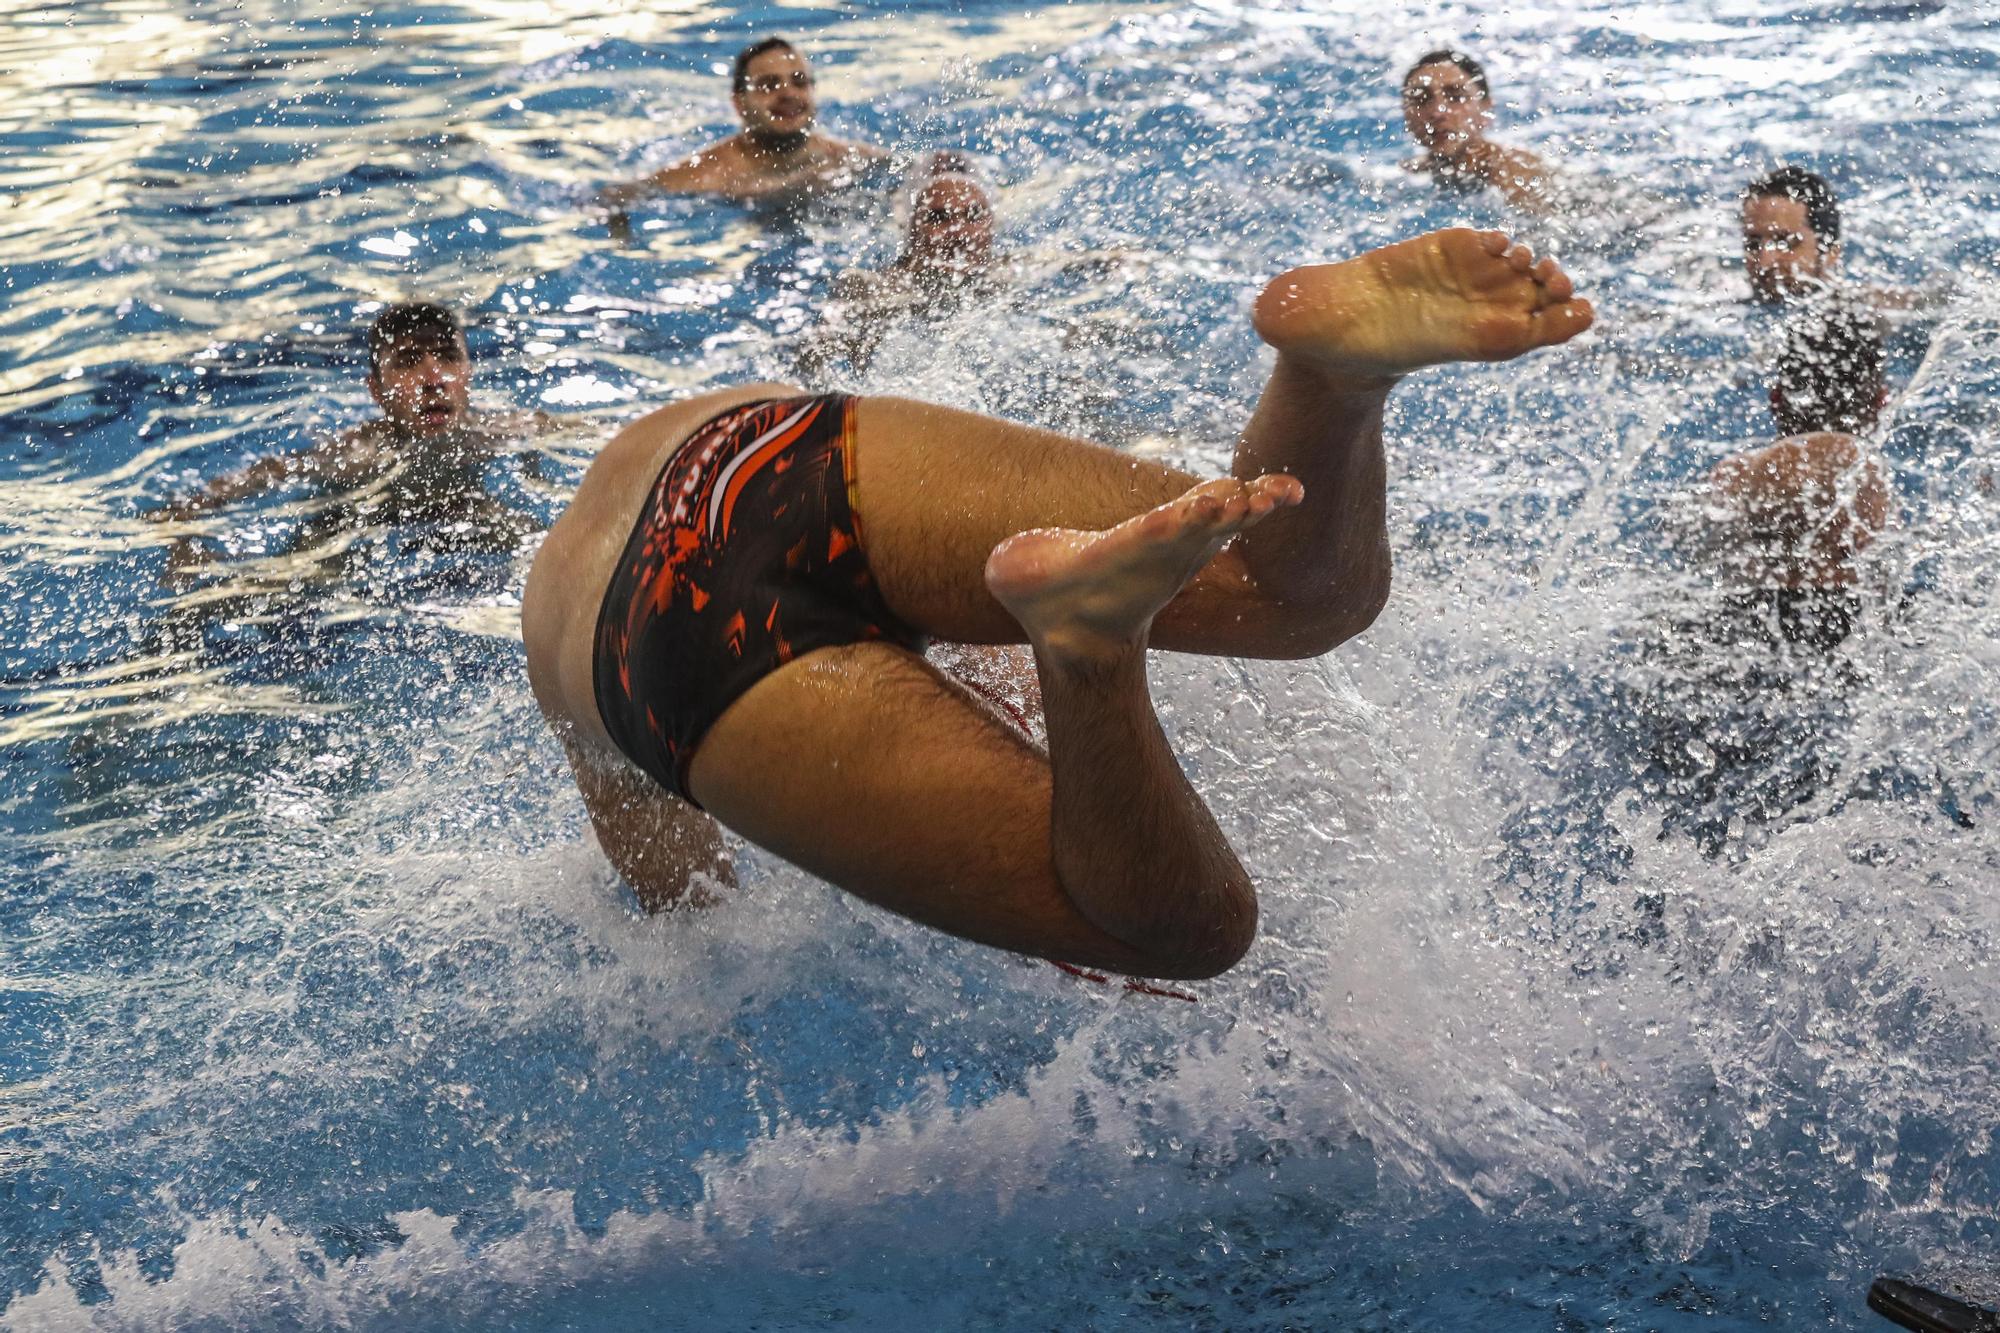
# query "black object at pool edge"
(1928, 1311)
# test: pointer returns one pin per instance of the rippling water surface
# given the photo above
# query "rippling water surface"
(319, 1008)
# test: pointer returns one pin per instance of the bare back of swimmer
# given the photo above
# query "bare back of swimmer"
(806, 546)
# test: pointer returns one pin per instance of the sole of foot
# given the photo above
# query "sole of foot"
(1455, 295)
(1091, 594)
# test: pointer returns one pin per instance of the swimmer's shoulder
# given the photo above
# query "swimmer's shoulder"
(863, 289)
(354, 455)
(711, 169)
(844, 152)
(1913, 300)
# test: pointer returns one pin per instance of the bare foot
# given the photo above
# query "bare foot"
(1083, 594)
(1457, 295)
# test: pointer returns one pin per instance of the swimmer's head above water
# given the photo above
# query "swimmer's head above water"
(419, 370)
(1791, 234)
(771, 87)
(951, 224)
(1447, 104)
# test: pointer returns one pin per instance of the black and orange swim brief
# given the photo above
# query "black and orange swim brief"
(746, 556)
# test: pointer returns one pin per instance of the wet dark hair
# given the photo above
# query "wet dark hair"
(1802, 187)
(1444, 55)
(414, 321)
(950, 162)
(739, 73)
(1829, 376)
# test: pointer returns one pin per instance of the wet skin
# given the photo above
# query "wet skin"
(1444, 110)
(951, 226)
(423, 388)
(429, 451)
(778, 155)
(949, 255)
(1448, 114)
(862, 764)
(776, 99)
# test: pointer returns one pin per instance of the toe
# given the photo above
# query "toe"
(1282, 488)
(1495, 242)
(1520, 258)
(1559, 323)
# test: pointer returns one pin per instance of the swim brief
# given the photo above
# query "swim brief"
(746, 556)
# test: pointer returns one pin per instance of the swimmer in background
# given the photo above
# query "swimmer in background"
(1788, 519)
(778, 155)
(428, 450)
(951, 258)
(948, 258)
(1791, 245)
(1447, 108)
(1743, 724)
(725, 628)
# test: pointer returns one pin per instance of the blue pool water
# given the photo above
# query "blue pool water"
(318, 1007)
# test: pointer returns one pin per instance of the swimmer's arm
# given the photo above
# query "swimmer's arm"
(1096, 263)
(266, 474)
(657, 842)
(856, 153)
(837, 165)
(851, 328)
(343, 458)
(695, 174)
(517, 431)
(1908, 300)
(1804, 467)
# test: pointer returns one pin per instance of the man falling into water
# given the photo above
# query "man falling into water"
(779, 153)
(712, 641)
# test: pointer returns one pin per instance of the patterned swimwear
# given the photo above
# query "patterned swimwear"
(746, 556)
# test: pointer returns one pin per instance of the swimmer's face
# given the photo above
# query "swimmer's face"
(777, 93)
(953, 220)
(423, 386)
(1781, 252)
(1443, 108)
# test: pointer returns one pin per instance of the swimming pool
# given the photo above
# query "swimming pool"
(318, 1007)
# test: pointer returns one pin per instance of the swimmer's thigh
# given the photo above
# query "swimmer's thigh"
(937, 489)
(866, 766)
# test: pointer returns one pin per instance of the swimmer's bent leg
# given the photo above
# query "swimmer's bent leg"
(938, 488)
(874, 771)
(864, 766)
